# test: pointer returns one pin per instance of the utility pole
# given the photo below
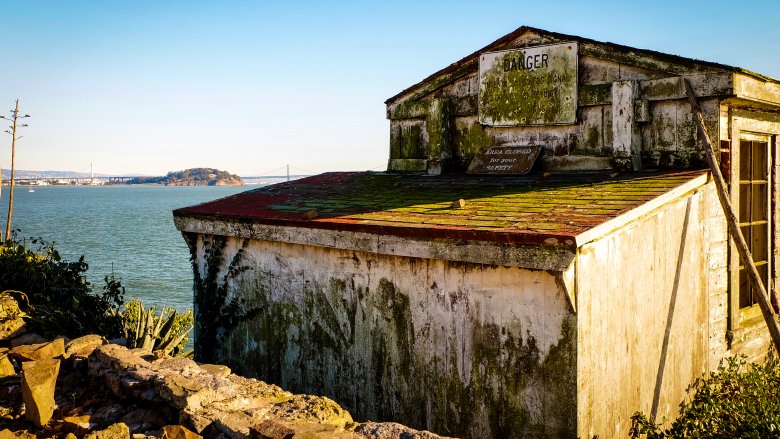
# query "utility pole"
(288, 172)
(12, 131)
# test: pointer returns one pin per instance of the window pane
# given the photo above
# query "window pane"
(759, 160)
(745, 152)
(745, 199)
(744, 290)
(759, 202)
(758, 243)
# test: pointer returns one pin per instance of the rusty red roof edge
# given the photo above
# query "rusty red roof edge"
(428, 232)
(262, 206)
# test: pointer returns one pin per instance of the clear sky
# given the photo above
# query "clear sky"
(249, 86)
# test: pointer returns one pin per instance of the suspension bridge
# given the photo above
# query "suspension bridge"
(84, 177)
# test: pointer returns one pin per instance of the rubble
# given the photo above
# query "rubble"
(90, 388)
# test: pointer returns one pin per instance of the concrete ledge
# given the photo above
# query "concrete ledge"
(536, 257)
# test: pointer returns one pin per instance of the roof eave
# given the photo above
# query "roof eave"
(531, 256)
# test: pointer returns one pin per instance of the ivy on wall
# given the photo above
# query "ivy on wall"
(216, 310)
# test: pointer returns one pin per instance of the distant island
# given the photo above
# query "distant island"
(192, 177)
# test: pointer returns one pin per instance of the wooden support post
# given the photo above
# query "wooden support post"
(731, 219)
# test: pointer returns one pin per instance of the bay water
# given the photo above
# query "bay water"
(124, 230)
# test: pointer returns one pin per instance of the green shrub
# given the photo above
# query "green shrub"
(167, 331)
(59, 300)
(740, 399)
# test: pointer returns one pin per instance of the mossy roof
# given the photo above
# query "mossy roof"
(550, 210)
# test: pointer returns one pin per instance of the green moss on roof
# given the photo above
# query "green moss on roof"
(496, 207)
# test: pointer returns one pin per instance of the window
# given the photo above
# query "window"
(754, 211)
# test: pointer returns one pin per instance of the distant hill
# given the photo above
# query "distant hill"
(193, 177)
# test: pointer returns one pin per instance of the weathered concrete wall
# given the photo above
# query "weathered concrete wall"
(457, 348)
(650, 126)
(716, 242)
(642, 317)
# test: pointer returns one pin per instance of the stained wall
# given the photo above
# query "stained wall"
(457, 348)
(642, 301)
(632, 113)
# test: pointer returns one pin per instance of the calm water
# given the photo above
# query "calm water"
(127, 229)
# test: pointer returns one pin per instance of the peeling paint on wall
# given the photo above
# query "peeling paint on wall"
(460, 349)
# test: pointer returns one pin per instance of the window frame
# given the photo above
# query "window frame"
(767, 217)
(742, 318)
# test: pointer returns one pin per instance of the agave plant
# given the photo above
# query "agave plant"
(165, 331)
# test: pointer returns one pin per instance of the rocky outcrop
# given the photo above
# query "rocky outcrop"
(207, 402)
(108, 391)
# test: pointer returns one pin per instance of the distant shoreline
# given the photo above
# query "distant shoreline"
(36, 186)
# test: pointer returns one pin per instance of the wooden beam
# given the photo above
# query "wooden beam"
(733, 224)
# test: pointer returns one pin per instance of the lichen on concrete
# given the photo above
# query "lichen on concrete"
(469, 138)
(340, 323)
(515, 97)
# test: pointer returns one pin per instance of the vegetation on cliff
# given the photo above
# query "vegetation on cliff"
(55, 293)
(59, 301)
(192, 177)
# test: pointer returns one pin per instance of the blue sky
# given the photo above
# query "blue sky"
(150, 87)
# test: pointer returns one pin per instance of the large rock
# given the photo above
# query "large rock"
(6, 368)
(270, 429)
(309, 408)
(41, 351)
(171, 381)
(78, 424)
(116, 431)
(8, 434)
(38, 381)
(214, 404)
(123, 372)
(216, 369)
(83, 346)
(178, 432)
(391, 430)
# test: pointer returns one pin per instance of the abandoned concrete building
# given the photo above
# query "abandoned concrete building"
(545, 255)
